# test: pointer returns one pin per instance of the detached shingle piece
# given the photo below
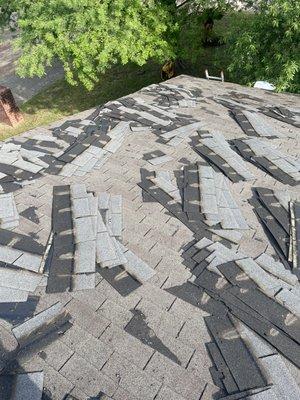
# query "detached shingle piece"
(85, 229)
(215, 148)
(261, 153)
(164, 183)
(81, 207)
(105, 249)
(233, 236)
(19, 279)
(83, 281)
(41, 324)
(276, 268)
(113, 216)
(9, 255)
(103, 201)
(160, 160)
(12, 295)
(78, 190)
(84, 260)
(137, 267)
(9, 216)
(30, 262)
(182, 133)
(217, 202)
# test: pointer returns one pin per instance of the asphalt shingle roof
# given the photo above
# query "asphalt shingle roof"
(151, 259)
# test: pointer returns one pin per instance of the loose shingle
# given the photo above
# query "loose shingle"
(105, 250)
(12, 295)
(137, 267)
(233, 236)
(41, 324)
(9, 255)
(85, 257)
(83, 281)
(19, 279)
(289, 300)
(85, 229)
(284, 385)
(276, 268)
(30, 262)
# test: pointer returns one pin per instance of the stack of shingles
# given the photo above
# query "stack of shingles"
(163, 97)
(235, 349)
(17, 165)
(214, 148)
(87, 230)
(171, 127)
(76, 137)
(294, 249)
(159, 186)
(75, 131)
(16, 156)
(20, 264)
(234, 104)
(32, 153)
(260, 293)
(167, 95)
(164, 180)
(281, 383)
(209, 255)
(278, 211)
(281, 166)
(93, 151)
(127, 109)
(9, 216)
(187, 98)
(154, 108)
(249, 117)
(71, 259)
(110, 251)
(176, 136)
(282, 114)
(84, 216)
(231, 359)
(254, 125)
(207, 193)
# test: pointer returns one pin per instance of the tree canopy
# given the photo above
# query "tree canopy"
(90, 36)
(268, 47)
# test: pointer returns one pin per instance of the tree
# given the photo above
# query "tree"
(195, 20)
(268, 47)
(89, 36)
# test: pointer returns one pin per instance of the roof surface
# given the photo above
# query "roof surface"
(155, 329)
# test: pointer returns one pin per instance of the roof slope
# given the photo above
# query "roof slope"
(153, 247)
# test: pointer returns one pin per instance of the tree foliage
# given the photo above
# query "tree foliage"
(268, 47)
(90, 36)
